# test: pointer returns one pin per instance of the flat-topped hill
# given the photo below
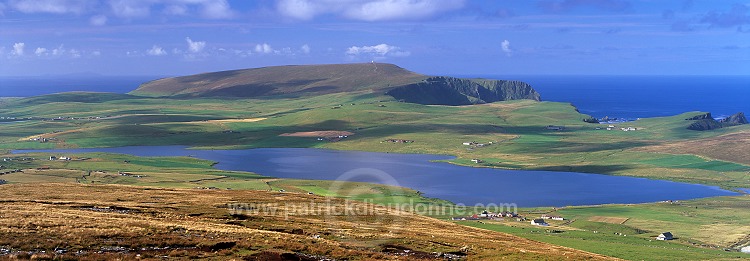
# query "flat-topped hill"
(309, 80)
(276, 80)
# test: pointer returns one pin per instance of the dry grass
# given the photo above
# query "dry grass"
(611, 220)
(111, 221)
(230, 120)
(729, 147)
(322, 134)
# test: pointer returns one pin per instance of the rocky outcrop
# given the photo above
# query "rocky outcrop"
(457, 91)
(705, 122)
(704, 116)
(736, 119)
(704, 125)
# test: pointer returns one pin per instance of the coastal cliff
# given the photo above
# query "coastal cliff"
(704, 122)
(457, 91)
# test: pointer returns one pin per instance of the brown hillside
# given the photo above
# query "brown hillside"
(276, 80)
(729, 147)
(105, 222)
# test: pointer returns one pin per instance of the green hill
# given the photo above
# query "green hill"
(313, 80)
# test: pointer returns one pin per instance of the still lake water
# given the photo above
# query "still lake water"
(458, 184)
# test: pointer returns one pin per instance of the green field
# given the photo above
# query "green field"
(515, 128)
(514, 135)
(703, 229)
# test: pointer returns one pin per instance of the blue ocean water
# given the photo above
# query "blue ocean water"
(634, 97)
(34, 86)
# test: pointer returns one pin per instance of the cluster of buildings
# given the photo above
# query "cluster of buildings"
(41, 139)
(613, 127)
(476, 144)
(491, 216)
(485, 215)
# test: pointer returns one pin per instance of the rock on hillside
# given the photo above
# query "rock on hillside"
(308, 80)
(736, 119)
(704, 116)
(705, 122)
(457, 91)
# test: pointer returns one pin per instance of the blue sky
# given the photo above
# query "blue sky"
(446, 37)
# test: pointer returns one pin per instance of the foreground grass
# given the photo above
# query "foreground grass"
(73, 221)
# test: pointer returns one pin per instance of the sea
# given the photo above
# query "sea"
(622, 97)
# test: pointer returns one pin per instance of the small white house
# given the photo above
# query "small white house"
(476, 161)
(665, 236)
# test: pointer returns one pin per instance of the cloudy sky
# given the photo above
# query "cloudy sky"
(449, 37)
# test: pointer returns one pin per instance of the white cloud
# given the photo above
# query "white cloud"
(96, 53)
(75, 53)
(18, 49)
(305, 49)
(49, 6)
(380, 50)
(506, 47)
(216, 9)
(263, 48)
(212, 9)
(401, 9)
(156, 51)
(58, 51)
(176, 10)
(40, 51)
(98, 20)
(130, 8)
(367, 10)
(195, 47)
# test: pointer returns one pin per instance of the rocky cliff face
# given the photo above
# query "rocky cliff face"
(457, 91)
(736, 119)
(705, 122)
(704, 116)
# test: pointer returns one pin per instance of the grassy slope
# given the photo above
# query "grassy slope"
(120, 222)
(276, 80)
(516, 128)
(703, 229)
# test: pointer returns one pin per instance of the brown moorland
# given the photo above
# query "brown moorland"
(73, 221)
(729, 147)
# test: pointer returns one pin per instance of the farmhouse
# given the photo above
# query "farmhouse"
(555, 128)
(665, 236)
(476, 161)
(539, 222)
(553, 217)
